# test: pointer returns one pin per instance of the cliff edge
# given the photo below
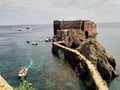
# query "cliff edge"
(96, 53)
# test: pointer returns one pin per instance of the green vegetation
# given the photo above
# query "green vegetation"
(87, 83)
(24, 85)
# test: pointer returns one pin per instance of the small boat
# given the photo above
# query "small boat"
(48, 40)
(19, 30)
(27, 41)
(34, 43)
(22, 72)
(27, 28)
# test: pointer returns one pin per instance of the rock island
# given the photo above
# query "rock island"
(87, 57)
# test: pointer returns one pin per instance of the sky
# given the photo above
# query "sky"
(17, 12)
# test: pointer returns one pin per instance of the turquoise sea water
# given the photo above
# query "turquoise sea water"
(46, 71)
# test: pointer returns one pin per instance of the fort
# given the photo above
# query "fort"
(84, 25)
(87, 57)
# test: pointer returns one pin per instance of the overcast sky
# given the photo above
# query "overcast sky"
(45, 11)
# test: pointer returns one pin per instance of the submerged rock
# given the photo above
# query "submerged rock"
(96, 53)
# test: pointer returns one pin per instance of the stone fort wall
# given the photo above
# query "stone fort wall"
(84, 25)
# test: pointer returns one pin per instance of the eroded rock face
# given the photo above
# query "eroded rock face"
(96, 53)
(84, 41)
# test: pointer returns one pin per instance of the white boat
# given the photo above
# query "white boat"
(34, 43)
(22, 72)
(48, 40)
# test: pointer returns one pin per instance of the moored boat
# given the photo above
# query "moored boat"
(34, 43)
(27, 41)
(19, 30)
(48, 40)
(27, 28)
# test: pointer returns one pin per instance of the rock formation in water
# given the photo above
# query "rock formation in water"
(80, 35)
(92, 50)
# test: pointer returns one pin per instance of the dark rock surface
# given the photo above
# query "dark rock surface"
(96, 53)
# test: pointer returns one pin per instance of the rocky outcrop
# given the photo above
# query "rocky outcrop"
(81, 38)
(83, 67)
(96, 53)
(91, 49)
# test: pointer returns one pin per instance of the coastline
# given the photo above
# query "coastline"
(4, 85)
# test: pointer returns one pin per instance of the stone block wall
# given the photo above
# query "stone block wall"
(84, 25)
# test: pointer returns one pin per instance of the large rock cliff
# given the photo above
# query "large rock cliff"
(81, 36)
(91, 49)
(96, 53)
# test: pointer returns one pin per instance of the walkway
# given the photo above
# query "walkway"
(100, 83)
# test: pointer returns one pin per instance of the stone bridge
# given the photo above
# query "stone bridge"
(70, 54)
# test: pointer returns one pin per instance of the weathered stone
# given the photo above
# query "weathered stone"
(79, 36)
(111, 60)
(95, 52)
(84, 25)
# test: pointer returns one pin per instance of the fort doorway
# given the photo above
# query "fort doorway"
(86, 34)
